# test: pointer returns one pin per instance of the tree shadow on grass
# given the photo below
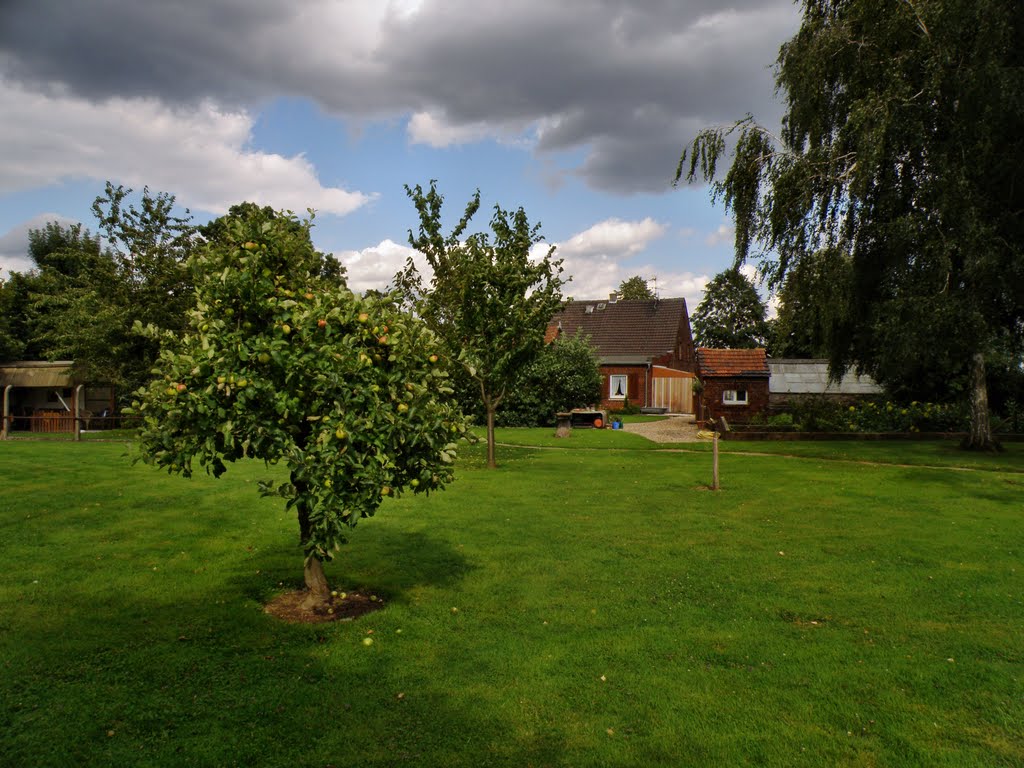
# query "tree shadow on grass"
(389, 563)
(970, 486)
(208, 679)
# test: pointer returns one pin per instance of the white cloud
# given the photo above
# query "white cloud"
(598, 283)
(750, 272)
(14, 243)
(598, 260)
(200, 153)
(724, 234)
(425, 128)
(375, 266)
(611, 239)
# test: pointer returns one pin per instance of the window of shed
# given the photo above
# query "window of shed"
(734, 397)
(618, 386)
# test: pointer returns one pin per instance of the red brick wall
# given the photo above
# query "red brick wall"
(684, 355)
(714, 407)
(638, 385)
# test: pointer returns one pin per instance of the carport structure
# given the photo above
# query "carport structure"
(41, 396)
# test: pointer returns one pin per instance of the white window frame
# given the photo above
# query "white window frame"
(612, 378)
(734, 400)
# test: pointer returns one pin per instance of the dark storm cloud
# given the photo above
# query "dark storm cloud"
(624, 80)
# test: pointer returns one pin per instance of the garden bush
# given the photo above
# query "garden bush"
(564, 376)
(820, 415)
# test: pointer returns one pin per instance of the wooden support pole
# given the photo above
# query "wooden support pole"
(714, 470)
(5, 428)
(78, 412)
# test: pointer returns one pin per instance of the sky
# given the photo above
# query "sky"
(576, 111)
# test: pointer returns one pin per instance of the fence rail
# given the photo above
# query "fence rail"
(62, 422)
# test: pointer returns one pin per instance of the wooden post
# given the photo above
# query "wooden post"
(5, 428)
(714, 470)
(78, 412)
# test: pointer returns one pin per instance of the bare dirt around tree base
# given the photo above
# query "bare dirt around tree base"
(288, 607)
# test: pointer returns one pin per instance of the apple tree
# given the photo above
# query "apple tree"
(278, 364)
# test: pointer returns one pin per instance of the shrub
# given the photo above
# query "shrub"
(564, 376)
(820, 415)
(781, 420)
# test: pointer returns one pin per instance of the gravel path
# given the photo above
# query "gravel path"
(674, 429)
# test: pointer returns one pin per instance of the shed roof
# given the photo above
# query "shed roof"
(732, 362)
(791, 376)
(34, 373)
(643, 328)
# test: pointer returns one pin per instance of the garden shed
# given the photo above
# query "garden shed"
(735, 383)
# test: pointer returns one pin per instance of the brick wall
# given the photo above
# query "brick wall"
(637, 393)
(757, 398)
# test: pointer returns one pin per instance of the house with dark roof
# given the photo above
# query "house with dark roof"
(735, 383)
(645, 349)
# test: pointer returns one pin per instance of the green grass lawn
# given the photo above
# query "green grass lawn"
(611, 612)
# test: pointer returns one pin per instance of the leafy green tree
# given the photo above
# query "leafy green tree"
(75, 311)
(488, 300)
(565, 375)
(634, 288)
(811, 300)
(64, 259)
(325, 266)
(86, 301)
(70, 251)
(900, 152)
(281, 364)
(731, 315)
(16, 324)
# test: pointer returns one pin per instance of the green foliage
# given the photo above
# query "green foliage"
(565, 375)
(85, 301)
(823, 415)
(323, 266)
(635, 288)
(899, 158)
(731, 315)
(812, 301)
(780, 420)
(280, 364)
(487, 299)
(15, 325)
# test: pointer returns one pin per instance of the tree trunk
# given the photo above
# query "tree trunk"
(979, 438)
(491, 462)
(491, 403)
(319, 598)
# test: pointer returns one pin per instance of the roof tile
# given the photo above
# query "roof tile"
(732, 362)
(642, 327)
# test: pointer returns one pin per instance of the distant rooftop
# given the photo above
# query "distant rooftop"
(791, 376)
(639, 328)
(732, 362)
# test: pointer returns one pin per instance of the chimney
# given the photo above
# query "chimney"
(613, 297)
